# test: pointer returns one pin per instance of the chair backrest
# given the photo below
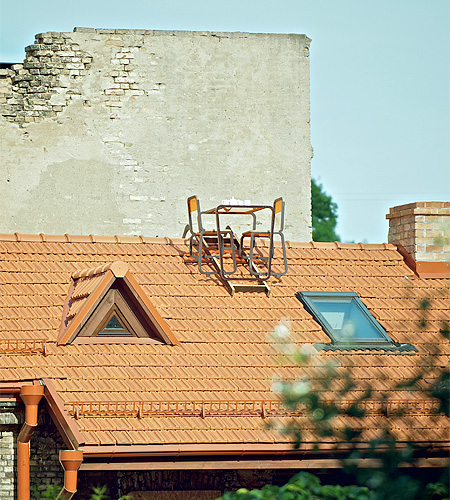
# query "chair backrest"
(278, 207)
(195, 218)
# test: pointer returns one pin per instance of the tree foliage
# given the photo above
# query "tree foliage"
(324, 214)
(302, 486)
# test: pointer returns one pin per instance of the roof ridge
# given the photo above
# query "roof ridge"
(118, 268)
(90, 238)
(337, 245)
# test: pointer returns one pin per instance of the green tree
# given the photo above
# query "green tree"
(302, 486)
(324, 214)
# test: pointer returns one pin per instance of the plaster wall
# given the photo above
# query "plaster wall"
(109, 131)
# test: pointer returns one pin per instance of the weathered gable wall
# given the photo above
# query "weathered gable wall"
(109, 131)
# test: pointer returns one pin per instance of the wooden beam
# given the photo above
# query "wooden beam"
(320, 463)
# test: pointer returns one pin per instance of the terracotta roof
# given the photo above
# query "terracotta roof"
(214, 387)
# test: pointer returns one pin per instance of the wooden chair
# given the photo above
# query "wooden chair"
(277, 226)
(199, 233)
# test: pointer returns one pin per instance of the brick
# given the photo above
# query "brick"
(33, 64)
(119, 91)
(124, 79)
(43, 53)
(434, 248)
(116, 43)
(77, 66)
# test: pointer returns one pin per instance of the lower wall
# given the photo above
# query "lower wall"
(191, 482)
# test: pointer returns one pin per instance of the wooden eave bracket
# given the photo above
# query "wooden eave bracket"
(65, 424)
(112, 272)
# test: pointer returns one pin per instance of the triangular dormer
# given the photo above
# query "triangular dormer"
(107, 305)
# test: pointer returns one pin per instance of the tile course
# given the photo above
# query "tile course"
(225, 353)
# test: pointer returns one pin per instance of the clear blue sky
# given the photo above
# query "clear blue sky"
(380, 84)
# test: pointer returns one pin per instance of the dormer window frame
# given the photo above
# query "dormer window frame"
(100, 294)
(114, 303)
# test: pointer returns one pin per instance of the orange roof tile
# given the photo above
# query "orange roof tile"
(224, 355)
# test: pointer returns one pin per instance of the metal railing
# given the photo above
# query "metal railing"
(261, 409)
(23, 346)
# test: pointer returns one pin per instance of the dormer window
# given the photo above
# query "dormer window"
(347, 321)
(107, 305)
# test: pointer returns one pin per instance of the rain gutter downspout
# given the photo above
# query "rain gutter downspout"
(71, 461)
(31, 395)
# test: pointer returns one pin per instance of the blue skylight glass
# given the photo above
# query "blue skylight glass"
(344, 318)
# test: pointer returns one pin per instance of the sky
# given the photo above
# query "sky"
(380, 84)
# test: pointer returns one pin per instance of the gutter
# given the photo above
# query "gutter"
(235, 450)
(13, 389)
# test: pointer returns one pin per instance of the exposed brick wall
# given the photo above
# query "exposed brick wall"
(42, 86)
(44, 450)
(10, 423)
(423, 228)
(7, 459)
(45, 444)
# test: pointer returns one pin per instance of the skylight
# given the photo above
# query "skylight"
(345, 319)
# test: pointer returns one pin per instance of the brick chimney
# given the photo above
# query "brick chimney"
(422, 232)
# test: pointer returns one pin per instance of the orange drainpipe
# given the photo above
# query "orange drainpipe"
(31, 395)
(71, 461)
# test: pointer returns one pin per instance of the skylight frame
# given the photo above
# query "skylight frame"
(307, 299)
